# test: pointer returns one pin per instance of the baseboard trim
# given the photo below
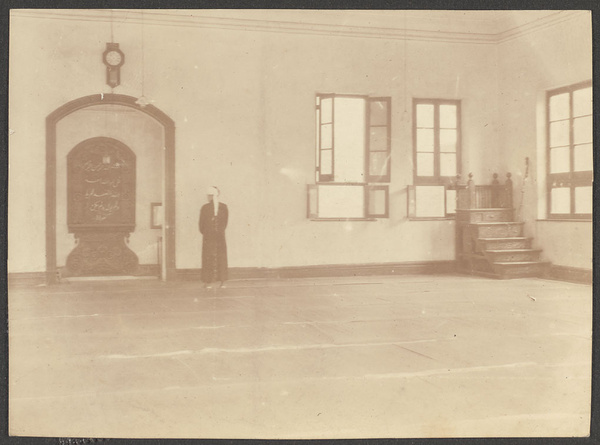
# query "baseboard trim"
(570, 274)
(555, 272)
(26, 278)
(330, 270)
(37, 278)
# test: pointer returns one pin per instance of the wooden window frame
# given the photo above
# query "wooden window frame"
(570, 179)
(411, 203)
(387, 176)
(329, 179)
(386, 212)
(321, 177)
(314, 188)
(437, 179)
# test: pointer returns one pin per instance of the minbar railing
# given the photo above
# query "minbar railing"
(493, 196)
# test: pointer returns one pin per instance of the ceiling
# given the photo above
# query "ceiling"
(465, 21)
(476, 26)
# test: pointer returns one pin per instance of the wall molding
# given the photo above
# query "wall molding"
(537, 25)
(570, 274)
(559, 273)
(26, 279)
(415, 28)
(330, 270)
(30, 279)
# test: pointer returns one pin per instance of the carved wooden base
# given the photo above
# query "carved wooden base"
(506, 256)
(483, 244)
(490, 244)
(498, 230)
(101, 254)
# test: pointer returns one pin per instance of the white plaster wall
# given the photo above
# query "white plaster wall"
(243, 106)
(548, 58)
(567, 243)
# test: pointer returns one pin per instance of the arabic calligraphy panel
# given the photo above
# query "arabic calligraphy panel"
(101, 184)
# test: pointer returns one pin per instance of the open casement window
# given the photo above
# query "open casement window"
(379, 139)
(570, 152)
(353, 147)
(431, 201)
(336, 201)
(436, 141)
(353, 138)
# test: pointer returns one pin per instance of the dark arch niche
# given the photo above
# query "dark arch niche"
(168, 259)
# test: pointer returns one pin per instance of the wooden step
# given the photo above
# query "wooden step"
(518, 269)
(509, 242)
(484, 215)
(512, 255)
(497, 229)
(475, 264)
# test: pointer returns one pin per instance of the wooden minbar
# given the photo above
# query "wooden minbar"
(489, 241)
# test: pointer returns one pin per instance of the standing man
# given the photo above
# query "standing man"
(212, 225)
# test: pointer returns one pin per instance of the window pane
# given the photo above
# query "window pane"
(378, 163)
(582, 102)
(377, 202)
(349, 136)
(559, 133)
(326, 111)
(559, 160)
(318, 134)
(425, 115)
(561, 200)
(448, 116)
(448, 140)
(341, 201)
(582, 130)
(378, 140)
(326, 136)
(447, 164)
(424, 164)
(379, 113)
(582, 158)
(559, 107)
(326, 162)
(425, 140)
(583, 199)
(430, 201)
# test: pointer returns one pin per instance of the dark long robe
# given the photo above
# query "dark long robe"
(214, 247)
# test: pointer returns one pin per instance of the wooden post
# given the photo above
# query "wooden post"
(458, 187)
(472, 200)
(508, 192)
(496, 201)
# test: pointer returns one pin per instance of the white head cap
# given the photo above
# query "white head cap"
(212, 190)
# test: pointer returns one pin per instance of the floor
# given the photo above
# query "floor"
(378, 356)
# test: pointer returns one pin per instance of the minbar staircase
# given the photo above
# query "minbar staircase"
(488, 239)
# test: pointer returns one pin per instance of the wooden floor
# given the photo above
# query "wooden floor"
(403, 356)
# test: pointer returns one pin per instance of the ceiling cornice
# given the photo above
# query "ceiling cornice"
(551, 20)
(408, 28)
